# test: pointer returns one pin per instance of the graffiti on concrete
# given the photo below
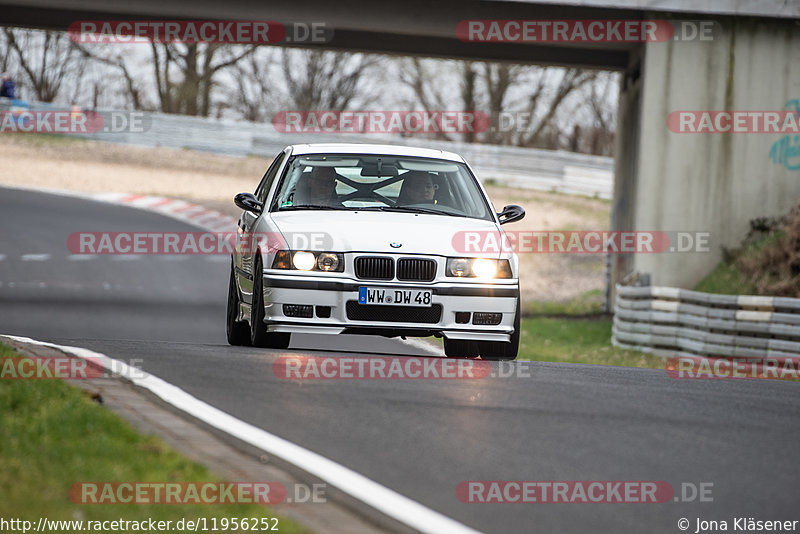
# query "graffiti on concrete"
(786, 150)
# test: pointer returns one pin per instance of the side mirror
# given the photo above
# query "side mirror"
(511, 213)
(248, 202)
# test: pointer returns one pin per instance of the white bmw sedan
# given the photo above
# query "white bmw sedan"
(369, 239)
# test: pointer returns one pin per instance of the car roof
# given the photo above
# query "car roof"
(363, 148)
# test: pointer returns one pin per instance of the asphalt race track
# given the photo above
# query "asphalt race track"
(418, 437)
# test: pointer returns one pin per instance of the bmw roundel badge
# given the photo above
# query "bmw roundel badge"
(395, 244)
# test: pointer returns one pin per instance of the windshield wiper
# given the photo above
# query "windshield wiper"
(312, 207)
(411, 209)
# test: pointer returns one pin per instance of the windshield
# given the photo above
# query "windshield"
(380, 182)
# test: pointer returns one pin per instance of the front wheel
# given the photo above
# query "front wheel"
(237, 331)
(500, 350)
(259, 336)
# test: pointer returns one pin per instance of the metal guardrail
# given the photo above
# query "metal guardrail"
(671, 322)
(549, 170)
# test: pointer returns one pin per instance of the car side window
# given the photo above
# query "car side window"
(266, 182)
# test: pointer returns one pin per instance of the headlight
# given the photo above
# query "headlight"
(459, 267)
(303, 260)
(482, 268)
(327, 261)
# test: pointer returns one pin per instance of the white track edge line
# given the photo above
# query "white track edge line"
(381, 498)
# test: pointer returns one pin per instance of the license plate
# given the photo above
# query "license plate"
(384, 296)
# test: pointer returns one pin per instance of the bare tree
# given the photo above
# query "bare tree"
(134, 91)
(529, 106)
(544, 132)
(533, 96)
(469, 96)
(428, 91)
(321, 80)
(603, 113)
(184, 75)
(45, 58)
(5, 53)
(196, 65)
(253, 90)
(498, 78)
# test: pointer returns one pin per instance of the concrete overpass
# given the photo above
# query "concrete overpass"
(663, 180)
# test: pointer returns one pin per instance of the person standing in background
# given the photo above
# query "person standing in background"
(8, 89)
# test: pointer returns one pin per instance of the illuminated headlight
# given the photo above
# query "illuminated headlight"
(303, 260)
(482, 268)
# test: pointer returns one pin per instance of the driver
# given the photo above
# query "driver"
(320, 187)
(418, 188)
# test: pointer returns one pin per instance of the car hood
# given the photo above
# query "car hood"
(362, 231)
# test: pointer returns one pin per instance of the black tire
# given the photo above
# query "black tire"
(259, 337)
(500, 350)
(460, 348)
(238, 331)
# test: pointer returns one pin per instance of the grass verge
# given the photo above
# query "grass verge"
(44, 139)
(767, 263)
(588, 303)
(726, 279)
(53, 435)
(578, 341)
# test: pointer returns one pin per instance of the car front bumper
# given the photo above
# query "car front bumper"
(334, 308)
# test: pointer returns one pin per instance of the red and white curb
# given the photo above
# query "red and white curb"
(182, 210)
